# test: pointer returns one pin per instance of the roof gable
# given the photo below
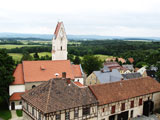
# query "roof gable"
(18, 75)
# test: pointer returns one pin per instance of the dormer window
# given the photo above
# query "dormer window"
(42, 67)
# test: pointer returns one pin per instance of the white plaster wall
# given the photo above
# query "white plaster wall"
(156, 100)
(16, 88)
(16, 107)
(81, 80)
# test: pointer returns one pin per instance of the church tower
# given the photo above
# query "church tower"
(59, 43)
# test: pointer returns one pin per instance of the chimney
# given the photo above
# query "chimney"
(64, 75)
(102, 70)
(68, 81)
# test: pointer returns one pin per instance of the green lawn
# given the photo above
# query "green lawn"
(16, 56)
(4, 112)
(43, 54)
(16, 46)
(103, 57)
(19, 113)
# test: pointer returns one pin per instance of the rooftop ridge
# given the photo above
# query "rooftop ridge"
(120, 81)
(50, 85)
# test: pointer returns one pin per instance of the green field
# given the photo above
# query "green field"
(42, 54)
(16, 46)
(18, 56)
(103, 57)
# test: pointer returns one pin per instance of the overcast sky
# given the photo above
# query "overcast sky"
(136, 18)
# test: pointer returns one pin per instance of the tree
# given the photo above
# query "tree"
(91, 63)
(70, 57)
(6, 74)
(36, 56)
(26, 56)
(158, 71)
(77, 60)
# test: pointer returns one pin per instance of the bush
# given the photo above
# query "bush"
(19, 113)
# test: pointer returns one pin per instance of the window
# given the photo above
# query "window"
(86, 111)
(132, 104)
(113, 109)
(61, 48)
(39, 117)
(67, 116)
(131, 114)
(20, 102)
(140, 101)
(76, 113)
(58, 116)
(33, 111)
(103, 110)
(27, 106)
(122, 106)
(33, 86)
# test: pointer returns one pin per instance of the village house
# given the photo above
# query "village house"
(131, 75)
(59, 99)
(127, 99)
(105, 75)
(129, 67)
(62, 99)
(30, 74)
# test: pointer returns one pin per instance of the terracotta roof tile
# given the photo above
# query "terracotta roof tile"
(18, 74)
(56, 94)
(77, 71)
(125, 89)
(16, 96)
(78, 84)
(57, 29)
(44, 70)
(131, 60)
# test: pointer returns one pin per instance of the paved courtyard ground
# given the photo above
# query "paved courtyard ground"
(152, 117)
(14, 116)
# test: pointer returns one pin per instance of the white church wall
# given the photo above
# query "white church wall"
(16, 88)
(81, 80)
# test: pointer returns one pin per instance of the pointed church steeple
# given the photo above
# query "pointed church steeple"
(59, 43)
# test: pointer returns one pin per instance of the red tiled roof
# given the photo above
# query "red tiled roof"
(76, 71)
(35, 71)
(78, 84)
(57, 29)
(16, 96)
(18, 74)
(123, 90)
(122, 60)
(131, 60)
